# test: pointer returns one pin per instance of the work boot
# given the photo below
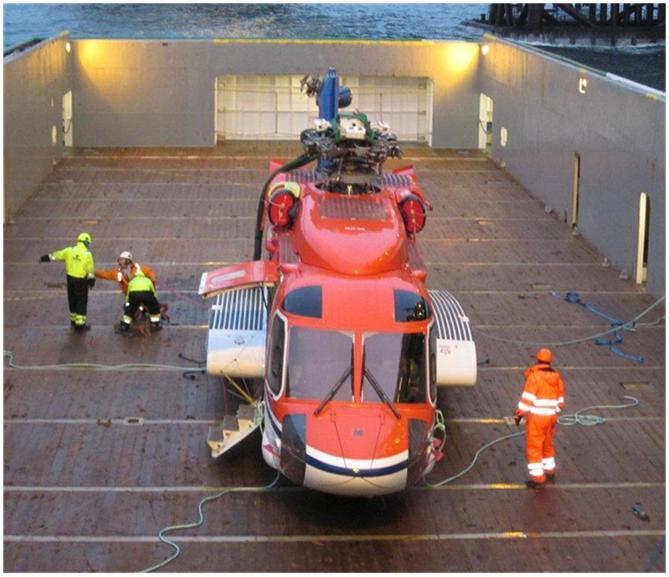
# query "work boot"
(156, 327)
(550, 477)
(82, 328)
(532, 484)
(122, 327)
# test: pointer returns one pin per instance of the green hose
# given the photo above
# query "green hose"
(200, 521)
(471, 465)
(100, 367)
(590, 420)
(576, 418)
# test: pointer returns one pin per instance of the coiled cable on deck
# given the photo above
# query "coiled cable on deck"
(200, 521)
(578, 418)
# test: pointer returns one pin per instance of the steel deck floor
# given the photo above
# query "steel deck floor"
(96, 463)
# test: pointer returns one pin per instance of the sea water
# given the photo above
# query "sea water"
(338, 21)
(200, 21)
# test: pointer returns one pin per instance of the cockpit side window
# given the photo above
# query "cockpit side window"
(410, 306)
(306, 301)
(276, 347)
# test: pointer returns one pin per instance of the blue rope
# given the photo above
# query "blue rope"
(614, 321)
(609, 342)
(575, 298)
(627, 356)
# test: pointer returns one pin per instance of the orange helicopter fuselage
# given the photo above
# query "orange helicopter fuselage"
(350, 314)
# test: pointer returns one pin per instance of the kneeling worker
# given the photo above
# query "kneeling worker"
(80, 272)
(141, 291)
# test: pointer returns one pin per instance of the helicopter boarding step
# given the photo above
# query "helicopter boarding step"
(233, 429)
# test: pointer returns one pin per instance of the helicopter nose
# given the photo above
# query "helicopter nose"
(357, 453)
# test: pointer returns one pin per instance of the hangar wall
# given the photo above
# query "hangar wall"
(161, 93)
(35, 81)
(617, 129)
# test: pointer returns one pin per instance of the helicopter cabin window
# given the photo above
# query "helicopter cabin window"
(410, 306)
(396, 363)
(305, 302)
(318, 361)
(276, 348)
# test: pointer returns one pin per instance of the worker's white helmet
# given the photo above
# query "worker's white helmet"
(126, 254)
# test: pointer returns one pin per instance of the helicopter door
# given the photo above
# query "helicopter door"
(253, 273)
(238, 318)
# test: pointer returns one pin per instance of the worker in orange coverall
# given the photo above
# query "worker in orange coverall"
(121, 275)
(541, 401)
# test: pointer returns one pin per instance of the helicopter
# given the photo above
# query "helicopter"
(335, 318)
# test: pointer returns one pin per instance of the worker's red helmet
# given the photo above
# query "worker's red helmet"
(544, 356)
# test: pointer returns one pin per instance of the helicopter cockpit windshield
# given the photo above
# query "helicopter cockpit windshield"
(394, 366)
(397, 363)
(317, 359)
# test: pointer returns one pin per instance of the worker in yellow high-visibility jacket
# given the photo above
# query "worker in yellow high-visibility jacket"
(141, 291)
(80, 272)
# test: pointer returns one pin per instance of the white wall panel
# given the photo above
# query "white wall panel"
(272, 107)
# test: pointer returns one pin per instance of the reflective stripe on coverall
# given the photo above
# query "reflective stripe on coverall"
(541, 401)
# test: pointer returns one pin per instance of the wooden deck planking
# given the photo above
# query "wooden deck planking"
(488, 241)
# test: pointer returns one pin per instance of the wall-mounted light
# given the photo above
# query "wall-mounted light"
(485, 49)
(458, 57)
(68, 47)
(582, 85)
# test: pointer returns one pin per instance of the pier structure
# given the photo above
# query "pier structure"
(577, 23)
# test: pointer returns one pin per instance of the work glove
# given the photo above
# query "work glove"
(91, 282)
(44, 258)
(517, 418)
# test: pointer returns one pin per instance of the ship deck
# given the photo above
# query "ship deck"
(97, 462)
